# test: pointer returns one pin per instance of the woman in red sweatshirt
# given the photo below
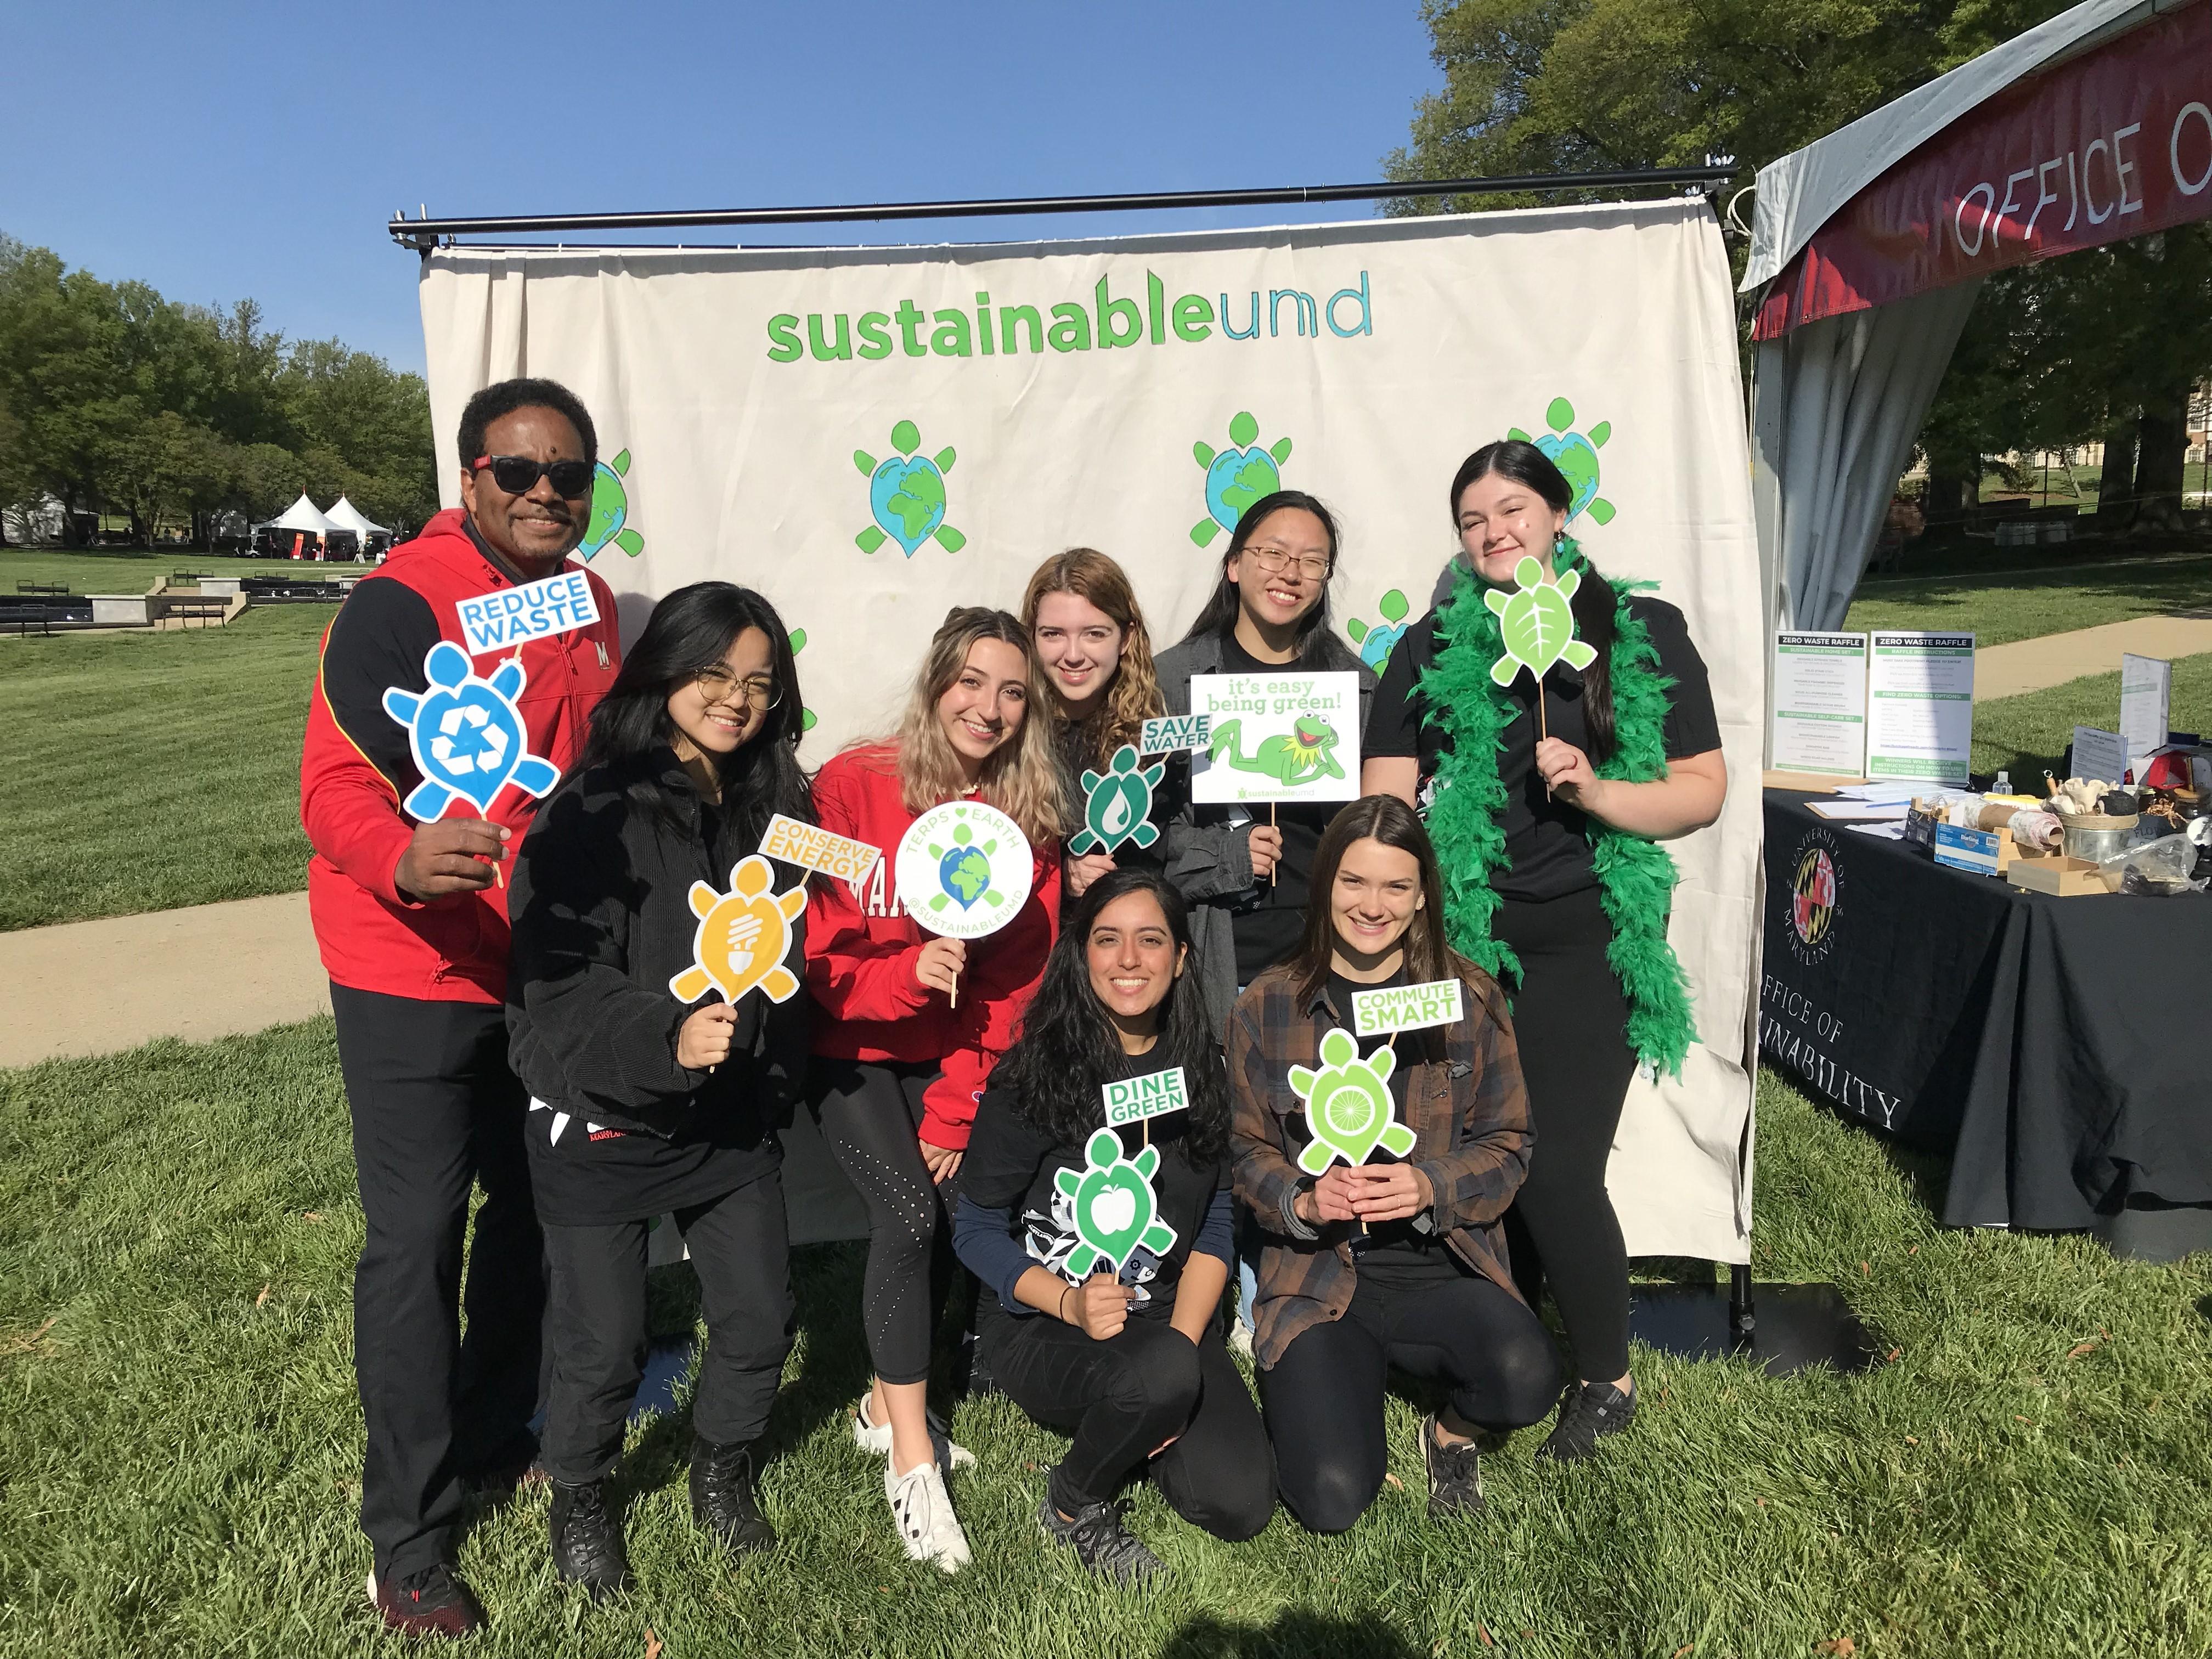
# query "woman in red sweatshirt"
(899, 1062)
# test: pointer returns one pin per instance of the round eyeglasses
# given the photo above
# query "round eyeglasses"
(717, 684)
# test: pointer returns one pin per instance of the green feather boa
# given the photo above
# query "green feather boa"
(1636, 876)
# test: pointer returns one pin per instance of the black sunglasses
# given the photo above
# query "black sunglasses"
(518, 475)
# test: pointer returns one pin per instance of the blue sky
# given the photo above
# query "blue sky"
(219, 151)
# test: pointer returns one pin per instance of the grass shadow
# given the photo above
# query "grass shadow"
(1296, 1633)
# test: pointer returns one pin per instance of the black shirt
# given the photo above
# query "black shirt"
(1274, 926)
(1009, 1168)
(1395, 1253)
(1548, 847)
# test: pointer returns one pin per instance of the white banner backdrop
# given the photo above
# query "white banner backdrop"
(870, 435)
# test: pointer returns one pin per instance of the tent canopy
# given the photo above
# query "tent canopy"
(1873, 241)
(344, 515)
(304, 514)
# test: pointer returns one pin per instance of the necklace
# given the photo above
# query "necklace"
(1636, 875)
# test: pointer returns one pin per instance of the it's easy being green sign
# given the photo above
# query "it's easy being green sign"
(1108, 320)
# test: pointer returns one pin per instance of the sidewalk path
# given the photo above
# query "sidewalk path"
(2007, 670)
(211, 970)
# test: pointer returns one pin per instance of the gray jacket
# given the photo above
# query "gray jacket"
(1209, 858)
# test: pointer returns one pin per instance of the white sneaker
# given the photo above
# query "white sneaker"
(876, 1438)
(927, 1524)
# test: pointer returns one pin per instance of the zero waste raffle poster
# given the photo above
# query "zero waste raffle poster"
(870, 435)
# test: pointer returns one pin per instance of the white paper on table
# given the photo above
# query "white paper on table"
(1858, 811)
(1886, 831)
(2101, 756)
(1876, 794)
(2145, 689)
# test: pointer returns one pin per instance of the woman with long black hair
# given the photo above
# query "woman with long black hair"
(645, 1104)
(1548, 818)
(1395, 1262)
(1132, 1363)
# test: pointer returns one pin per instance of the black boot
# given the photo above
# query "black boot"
(588, 1544)
(724, 1498)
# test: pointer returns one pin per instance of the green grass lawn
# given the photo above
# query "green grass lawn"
(2022, 606)
(2028, 733)
(2030, 1473)
(134, 569)
(141, 772)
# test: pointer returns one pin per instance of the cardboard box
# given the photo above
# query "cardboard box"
(1984, 851)
(2052, 873)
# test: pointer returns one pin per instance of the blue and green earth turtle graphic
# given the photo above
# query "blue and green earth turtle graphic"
(964, 870)
(1375, 640)
(1236, 476)
(798, 645)
(906, 495)
(1574, 453)
(611, 510)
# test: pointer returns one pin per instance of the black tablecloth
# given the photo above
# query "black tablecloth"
(2056, 1047)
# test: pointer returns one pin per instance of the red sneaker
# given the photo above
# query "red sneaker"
(433, 1602)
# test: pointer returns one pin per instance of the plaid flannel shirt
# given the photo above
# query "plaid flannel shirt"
(1465, 1102)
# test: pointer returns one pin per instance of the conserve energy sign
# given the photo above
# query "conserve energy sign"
(868, 436)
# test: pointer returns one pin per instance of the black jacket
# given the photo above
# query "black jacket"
(602, 921)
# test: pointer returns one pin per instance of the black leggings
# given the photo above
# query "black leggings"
(871, 1114)
(1571, 1022)
(1324, 1397)
(597, 1328)
(1121, 1397)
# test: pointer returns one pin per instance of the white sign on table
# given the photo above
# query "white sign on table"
(1287, 734)
(1818, 722)
(2101, 756)
(2145, 689)
(1920, 707)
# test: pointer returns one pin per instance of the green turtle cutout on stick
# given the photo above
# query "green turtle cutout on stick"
(1537, 623)
(1116, 1211)
(1348, 1105)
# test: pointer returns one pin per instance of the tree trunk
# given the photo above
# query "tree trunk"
(2116, 485)
(1953, 487)
(2164, 449)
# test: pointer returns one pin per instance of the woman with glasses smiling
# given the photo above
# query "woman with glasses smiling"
(643, 1105)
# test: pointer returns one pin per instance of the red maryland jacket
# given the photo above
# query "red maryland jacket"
(861, 947)
(357, 766)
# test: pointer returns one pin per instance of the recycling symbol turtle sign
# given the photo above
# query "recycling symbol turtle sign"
(466, 734)
(1537, 623)
(1118, 805)
(1348, 1104)
(1116, 1212)
(743, 937)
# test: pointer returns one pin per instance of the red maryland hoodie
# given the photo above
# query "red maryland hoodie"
(356, 767)
(861, 947)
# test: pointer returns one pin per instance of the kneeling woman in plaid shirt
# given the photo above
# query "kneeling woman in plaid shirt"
(1391, 1262)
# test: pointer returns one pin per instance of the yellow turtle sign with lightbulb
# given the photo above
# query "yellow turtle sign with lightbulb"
(743, 937)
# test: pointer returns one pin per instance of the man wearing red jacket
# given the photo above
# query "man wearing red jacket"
(408, 894)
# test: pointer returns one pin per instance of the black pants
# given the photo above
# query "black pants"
(1324, 1397)
(1121, 1397)
(871, 1114)
(435, 1110)
(1571, 1022)
(597, 1325)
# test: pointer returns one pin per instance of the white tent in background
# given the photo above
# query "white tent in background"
(344, 515)
(304, 514)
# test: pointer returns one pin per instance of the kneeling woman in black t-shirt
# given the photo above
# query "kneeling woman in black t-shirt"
(1134, 1366)
(1392, 1262)
(1548, 818)
(644, 1105)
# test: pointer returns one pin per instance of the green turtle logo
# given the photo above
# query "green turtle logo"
(1348, 1105)
(964, 870)
(1535, 623)
(1306, 752)
(798, 645)
(1118, 805)
(610, 511)
(1236, 476)
(1376, 640)
(906, 494)
(1115, 1212)
(1575, 456)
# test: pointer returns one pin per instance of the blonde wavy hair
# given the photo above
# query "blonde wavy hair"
(1021, 778)
(1135, 696)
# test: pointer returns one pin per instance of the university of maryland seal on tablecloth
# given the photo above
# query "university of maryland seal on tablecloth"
(1815, 891)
